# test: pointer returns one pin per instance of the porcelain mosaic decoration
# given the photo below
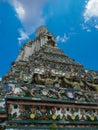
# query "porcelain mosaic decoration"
(45, 89)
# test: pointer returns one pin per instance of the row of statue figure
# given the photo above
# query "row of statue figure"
(63, 81)
(55, 80)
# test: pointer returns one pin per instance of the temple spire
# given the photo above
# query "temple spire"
(43, 38)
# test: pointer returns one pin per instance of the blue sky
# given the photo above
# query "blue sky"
(73, 22)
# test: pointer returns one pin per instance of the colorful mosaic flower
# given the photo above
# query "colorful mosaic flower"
(32, 115)
(73, 117)
(54, 117)
(92, 118)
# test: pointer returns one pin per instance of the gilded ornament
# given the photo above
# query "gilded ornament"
(54, 117)
(32, 115)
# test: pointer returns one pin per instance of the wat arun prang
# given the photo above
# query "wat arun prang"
(45, 89)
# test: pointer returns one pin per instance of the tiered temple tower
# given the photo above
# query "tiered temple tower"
(47, 90)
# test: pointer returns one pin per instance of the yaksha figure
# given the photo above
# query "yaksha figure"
(74, 84)
(48, 80)
(93, 85)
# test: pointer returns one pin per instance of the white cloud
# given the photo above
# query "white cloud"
(23, 36)
(85, 27)
(91, 10)
(90, 15)
(62, 39)
(20, 11)
(30, 13)
(88, 30)
(96, 26)
(0, 79)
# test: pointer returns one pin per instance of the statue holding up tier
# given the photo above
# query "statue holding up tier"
(48, 79)
(74, 84)
(93, 85)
